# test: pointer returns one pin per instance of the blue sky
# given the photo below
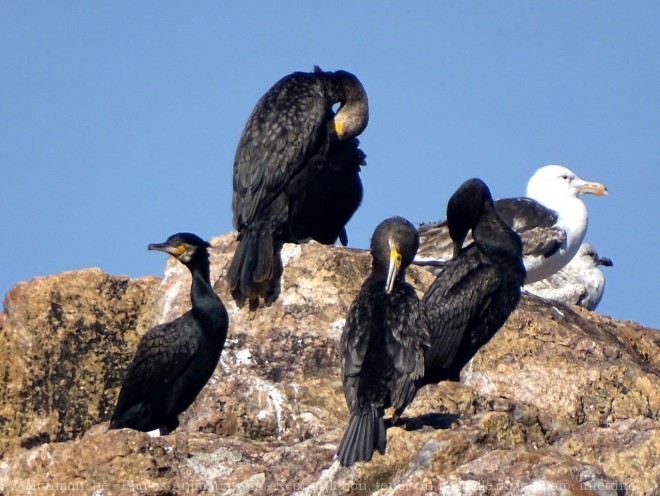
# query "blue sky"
(119, 121)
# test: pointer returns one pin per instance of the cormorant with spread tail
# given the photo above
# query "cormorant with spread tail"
(175, 360)
(296, 175)
(382, 345)
(476, 291)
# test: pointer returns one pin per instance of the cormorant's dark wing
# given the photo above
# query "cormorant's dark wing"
(280, 134)
(534, 223)
(337, 183)
(163, 354)
(406, 317)
(459, 294)
(353, 346)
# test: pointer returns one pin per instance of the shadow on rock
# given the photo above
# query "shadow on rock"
(432, 420)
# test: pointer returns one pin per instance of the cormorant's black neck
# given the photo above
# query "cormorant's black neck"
(378, 274)
(346, 89)
(201, 266)
(207, 309)
(494, 238)
(201, 291)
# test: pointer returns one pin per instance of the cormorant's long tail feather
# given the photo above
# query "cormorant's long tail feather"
(365, 434)
(253, 271)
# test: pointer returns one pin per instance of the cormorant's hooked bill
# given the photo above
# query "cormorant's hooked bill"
(180, 244)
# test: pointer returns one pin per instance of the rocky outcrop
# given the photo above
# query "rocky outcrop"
(67, 341)
(561, 401)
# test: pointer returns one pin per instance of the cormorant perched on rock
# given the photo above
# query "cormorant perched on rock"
(296, 174)
(551, 221)
(175, 360)
(382, 346)
(580, 283)
(476, 290)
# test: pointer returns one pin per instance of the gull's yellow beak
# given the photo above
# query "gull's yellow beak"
(597, 189)
(393, 270)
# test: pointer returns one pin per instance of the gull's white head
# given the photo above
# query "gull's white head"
(556, 182)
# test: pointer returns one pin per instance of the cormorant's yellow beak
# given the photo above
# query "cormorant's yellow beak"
(176, 251)
(339, 127)
(393, 270)
(593, 188)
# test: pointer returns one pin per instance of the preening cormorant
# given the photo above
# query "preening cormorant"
(296, 175)
(382, 345)
(551, 222)
(476, 290)
(580, 283)
(175, 360)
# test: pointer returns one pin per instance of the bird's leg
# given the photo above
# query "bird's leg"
(393, 420)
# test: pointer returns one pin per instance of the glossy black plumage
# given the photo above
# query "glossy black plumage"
(296, 174)
(475, 291)
(175, 360)
(382, 345)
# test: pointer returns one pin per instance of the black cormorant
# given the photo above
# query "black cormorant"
(476, 291)
(175, 360)
(382, 346)
(296, 174)
(551, 222)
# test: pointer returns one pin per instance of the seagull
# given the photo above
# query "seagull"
(580, 283)
(551, 222)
